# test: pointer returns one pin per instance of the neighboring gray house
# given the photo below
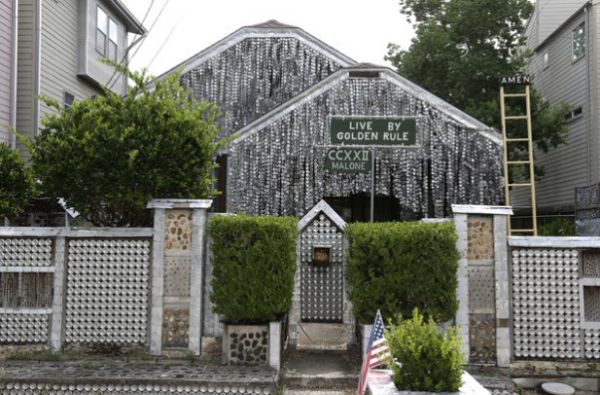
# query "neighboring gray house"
(60, 44)
(564, 37)
(7, 68)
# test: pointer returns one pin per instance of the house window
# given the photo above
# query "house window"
(579, 42)
(113, 39)
(546, 60)
(107, 35)
(576, 113)
(101, 31)
(68, 100)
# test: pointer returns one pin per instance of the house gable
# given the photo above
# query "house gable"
(256, 69)
(276, 165)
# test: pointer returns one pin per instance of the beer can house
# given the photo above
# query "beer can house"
(305, 123)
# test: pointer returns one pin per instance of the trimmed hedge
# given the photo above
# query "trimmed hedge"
(399, 266)
(427, 359)
(254, 262)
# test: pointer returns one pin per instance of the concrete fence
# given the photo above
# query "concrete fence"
(525, 298)
(555, 283)
(104, 268)
(124, 286)
(519, 297)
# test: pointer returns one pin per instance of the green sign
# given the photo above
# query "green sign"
(348, 160)
(374, 131)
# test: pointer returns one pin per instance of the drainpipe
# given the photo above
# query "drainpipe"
(589, 121)
(13, 86)
(38, 72)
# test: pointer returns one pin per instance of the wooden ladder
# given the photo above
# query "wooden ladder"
(509, 185)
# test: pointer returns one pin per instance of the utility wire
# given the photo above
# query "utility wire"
(110, 82)
(166, 40)
(151, 28)
(141, 40)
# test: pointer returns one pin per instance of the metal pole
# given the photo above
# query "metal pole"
(372, 184)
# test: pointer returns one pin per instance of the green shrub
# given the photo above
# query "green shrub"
(428, 360)
(16, 184)
(396, 267)
(110, 155)
(254, 261)
(558, 227)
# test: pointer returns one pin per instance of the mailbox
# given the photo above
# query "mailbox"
(321, 255)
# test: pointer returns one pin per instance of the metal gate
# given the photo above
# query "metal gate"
(322, 270)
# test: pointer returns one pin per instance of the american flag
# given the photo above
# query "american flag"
(378, 353)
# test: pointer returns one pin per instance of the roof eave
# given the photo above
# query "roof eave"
(247, 31)
(132, 23)
(412, 88)
(560, 28)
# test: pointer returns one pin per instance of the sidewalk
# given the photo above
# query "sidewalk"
(124, 377)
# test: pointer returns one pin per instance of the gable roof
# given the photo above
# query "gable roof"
(321, 207)
(386, 73)
(271, 28)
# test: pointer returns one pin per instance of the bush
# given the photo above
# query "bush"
(254, 261)
(396, 267)
(108, 156)
(558, 227)
(16, 184)
(428, 360)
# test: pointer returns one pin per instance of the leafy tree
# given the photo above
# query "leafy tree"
(16, 184)
(108, 156)
(460, 49)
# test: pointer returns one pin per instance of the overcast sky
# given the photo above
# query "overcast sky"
(361, 29)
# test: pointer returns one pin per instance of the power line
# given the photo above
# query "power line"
(148, 11)
(110, 82)
(141, 40)
(166, 40)
(151, 27)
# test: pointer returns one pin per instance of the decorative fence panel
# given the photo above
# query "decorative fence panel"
(555, 304)
(107, 285)
(107, 291)
(26, 288)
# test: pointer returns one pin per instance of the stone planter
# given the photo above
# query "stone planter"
(380, 383)
(252, 344)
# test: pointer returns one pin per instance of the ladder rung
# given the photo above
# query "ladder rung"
(519, 185)
(517, 117)
(518, 162)
(515, 95)
(517, 140)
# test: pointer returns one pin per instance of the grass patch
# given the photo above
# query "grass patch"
(36, 355)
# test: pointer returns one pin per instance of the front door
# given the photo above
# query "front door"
(322, 271)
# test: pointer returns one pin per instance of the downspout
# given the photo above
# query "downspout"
(13, 87)
(38, 71)
(589, 121)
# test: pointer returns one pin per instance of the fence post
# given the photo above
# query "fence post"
(462, 290)
(503, 344)
(196, 274)
(57, 327)
(157, 280)
(177, 283)
(483, 282)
